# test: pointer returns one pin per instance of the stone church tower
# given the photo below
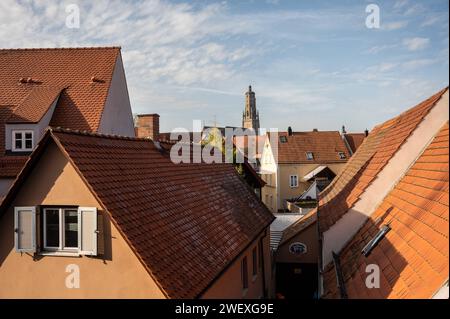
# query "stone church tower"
(250, 116)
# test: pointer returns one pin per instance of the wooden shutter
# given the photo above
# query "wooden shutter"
(25, 229)
(88, 240)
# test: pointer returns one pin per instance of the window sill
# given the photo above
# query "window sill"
(60, 253)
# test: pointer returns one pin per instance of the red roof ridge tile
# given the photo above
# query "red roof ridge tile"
(62, 48)
(94, 134)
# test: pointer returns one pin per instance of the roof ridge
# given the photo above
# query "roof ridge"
(93, 134)
(62, 48)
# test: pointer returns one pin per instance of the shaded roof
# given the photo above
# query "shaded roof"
(325, 146)
(354, 140)
(35, 105)
(413, 256)
(282, 221)
(185, 222)
(297, 227)
(28, 78)
(363, 167)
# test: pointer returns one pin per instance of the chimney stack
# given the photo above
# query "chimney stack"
(366, 132)
(147, 125)
(290, 131)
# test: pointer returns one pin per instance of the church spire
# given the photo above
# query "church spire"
(250, 118)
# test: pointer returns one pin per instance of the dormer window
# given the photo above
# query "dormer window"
(22, 140)
(309, 156)
(342, 155)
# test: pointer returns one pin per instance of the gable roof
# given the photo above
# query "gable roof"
(354, 140)
(325, 146)
(363, 167)
(30, 78)
(185, 222)
(413, 256)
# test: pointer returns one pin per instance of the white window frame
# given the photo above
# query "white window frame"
(308, 157)
(61, 247)
(293, 185)
(23, 133)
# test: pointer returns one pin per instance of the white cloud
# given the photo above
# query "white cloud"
(418, 63)
(415, 44)
(394, 25)
(431, 20)
(400, 4)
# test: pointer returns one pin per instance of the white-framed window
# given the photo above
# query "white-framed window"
(61, 229)
(65, 230)
(342, 155)
(309, 156)
(22, 140)
(293, 180)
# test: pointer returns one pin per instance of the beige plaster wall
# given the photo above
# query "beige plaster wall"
(117, 274)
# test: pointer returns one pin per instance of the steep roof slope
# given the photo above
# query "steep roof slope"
(35, 73)
(413, 256)
(325, 146)
(186, 222)
(354, 140)
(363, 167)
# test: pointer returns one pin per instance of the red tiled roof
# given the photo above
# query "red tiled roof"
(35, 105)
(376, 150)
(413, 256)
(325, 146)
(80, 105)
(186, 222)
(354, 140)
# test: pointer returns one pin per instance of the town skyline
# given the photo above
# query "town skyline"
(195, 60)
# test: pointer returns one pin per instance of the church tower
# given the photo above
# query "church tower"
(250, 117)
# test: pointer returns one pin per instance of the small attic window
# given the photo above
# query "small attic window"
(374, 242)
(342, 155)
(283, 139)
(22, 140)
(309, 156)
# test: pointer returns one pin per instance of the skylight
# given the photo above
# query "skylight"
(342, 155)
(374, 242)
(283, 139)
(309, 156)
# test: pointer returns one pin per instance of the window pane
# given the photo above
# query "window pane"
(70, 229)
(28, 136)
(18, 136)
(28, 144)
(52, 227)
(18, 144)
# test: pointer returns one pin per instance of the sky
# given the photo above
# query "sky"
(312, 64)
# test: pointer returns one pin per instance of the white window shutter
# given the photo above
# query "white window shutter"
(25, 229)
(89, 230)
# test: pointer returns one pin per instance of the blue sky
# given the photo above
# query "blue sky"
(312, 64)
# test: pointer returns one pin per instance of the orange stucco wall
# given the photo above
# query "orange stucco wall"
(116, 274)
(229, 285)
(308, 237)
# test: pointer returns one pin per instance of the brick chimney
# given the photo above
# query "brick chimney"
(147, 125)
